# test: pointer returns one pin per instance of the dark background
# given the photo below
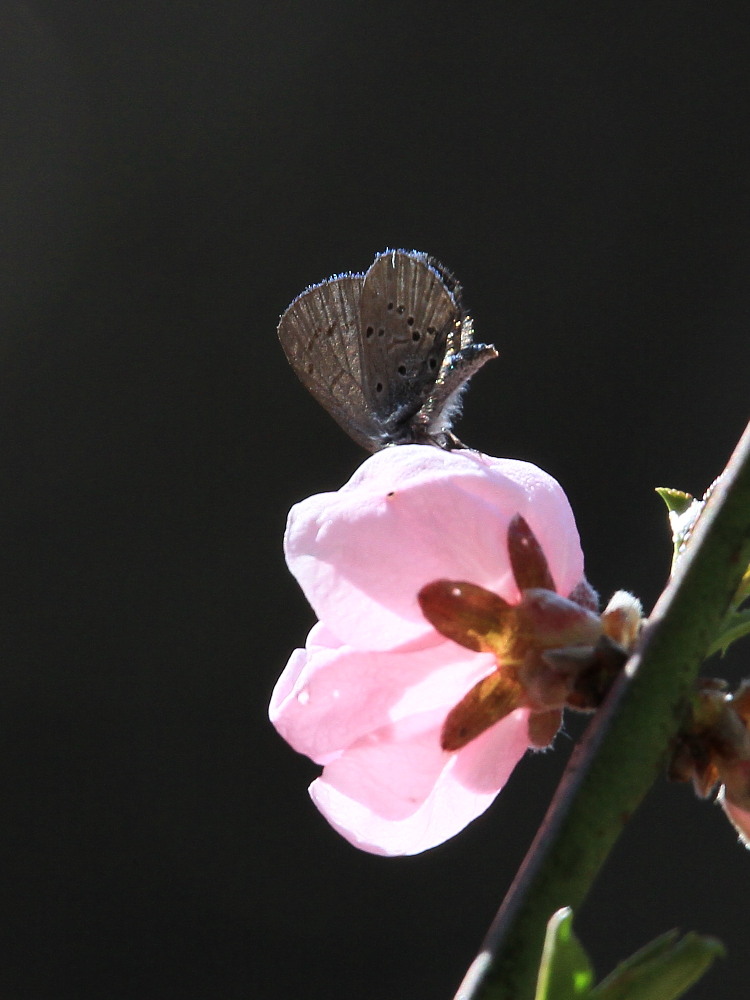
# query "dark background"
(173, 173)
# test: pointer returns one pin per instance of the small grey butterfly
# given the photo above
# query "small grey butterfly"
(388, 352)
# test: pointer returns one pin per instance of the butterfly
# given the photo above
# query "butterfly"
(387, 352)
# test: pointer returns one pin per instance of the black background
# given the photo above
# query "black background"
(173, 174)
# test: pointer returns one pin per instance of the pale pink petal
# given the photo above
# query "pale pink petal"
(299, 662)
(411, 515)
(399, 793)
(550, 516)
(321, 635)
(326, 699)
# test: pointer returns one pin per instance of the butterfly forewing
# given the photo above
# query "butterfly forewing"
(408, 315)
(320, 334)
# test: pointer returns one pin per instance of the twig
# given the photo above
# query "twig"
(624, 749)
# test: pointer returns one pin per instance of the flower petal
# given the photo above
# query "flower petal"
(399, 793)
(411, 515)
(327, 699)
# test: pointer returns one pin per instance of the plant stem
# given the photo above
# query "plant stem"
(625, 747)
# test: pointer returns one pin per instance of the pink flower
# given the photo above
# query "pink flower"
(368, 695)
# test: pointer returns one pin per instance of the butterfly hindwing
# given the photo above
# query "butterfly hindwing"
(320, 336)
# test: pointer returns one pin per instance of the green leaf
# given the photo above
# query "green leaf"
(683, 514)
(663, 970)
(675, 500)
(743, 591)
(684, 511)
(565, 972)
(735, 625)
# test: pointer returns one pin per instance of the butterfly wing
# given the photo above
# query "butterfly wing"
(320, 334)
(408, 315)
